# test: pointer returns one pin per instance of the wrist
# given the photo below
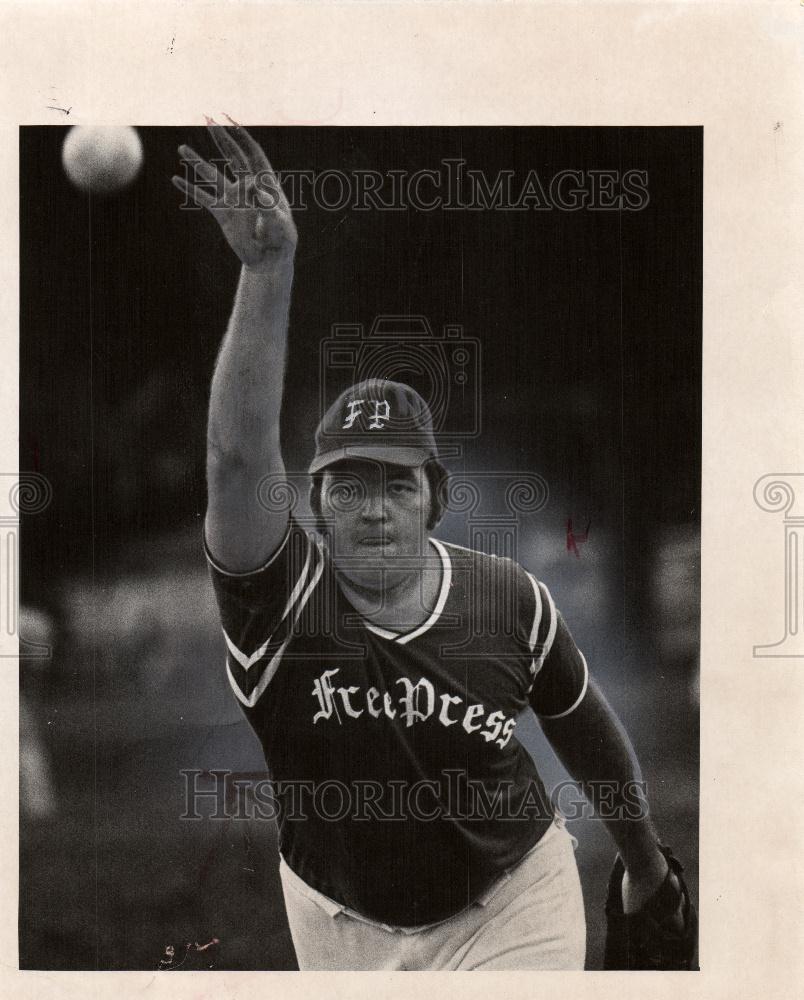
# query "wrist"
(648, 871)
(269, 283)
(644, 861)
(276, 264)
(642, 883)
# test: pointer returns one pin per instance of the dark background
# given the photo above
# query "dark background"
(590, 330)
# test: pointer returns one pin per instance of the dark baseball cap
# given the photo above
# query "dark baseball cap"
(376, 419)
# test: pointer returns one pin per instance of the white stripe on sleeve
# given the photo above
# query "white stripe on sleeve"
(579, 699)
(251, 700)
(242, 658)
(538, 662)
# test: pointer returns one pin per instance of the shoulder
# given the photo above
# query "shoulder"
(503, 588)
(301, 557)
(477, 559)
(485, 563)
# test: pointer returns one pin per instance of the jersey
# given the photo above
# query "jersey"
(401, 790)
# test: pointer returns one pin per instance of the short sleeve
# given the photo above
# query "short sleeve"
(258, 610)
(560, 673)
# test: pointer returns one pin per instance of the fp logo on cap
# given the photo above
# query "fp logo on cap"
(382, 412)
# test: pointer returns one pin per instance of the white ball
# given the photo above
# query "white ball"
(101, 159)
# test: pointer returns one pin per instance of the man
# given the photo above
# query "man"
(376, 663)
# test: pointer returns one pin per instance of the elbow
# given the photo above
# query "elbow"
(243, 452)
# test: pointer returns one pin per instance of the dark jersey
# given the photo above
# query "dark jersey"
(402, 791)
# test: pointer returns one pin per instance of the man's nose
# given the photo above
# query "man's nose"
(373, 506)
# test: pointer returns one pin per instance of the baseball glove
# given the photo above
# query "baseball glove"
(650, 938)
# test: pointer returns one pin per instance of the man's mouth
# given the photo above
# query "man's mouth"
(376, 541)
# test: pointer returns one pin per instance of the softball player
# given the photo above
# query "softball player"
(383, 670)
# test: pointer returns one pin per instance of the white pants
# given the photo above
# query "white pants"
(531, 918)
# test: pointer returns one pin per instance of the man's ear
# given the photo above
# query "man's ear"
(437, 480)
(314, 497)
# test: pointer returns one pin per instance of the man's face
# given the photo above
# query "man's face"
(376, 515)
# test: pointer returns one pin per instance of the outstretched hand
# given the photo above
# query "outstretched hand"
(250, 206)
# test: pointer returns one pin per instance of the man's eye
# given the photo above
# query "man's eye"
(400, 489)
(344, 494)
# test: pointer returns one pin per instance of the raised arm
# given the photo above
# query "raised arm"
(243, 444)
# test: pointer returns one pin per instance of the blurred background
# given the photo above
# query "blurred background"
(587, 334)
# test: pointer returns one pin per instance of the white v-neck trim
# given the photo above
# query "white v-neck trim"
(446, 583)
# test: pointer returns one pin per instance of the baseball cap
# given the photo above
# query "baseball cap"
(376, 419)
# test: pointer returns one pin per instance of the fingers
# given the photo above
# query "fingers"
(211, 177)
(206, 171)
(258, 161)
(245, 156)
(249, 160)
(267, 180)
(201, 198)
(236, 159)
(239, 143)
